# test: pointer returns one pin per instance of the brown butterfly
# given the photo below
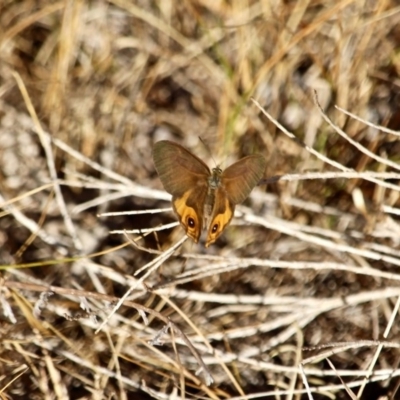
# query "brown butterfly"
(200, 197)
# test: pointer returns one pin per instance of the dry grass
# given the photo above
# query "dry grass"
(299, 297)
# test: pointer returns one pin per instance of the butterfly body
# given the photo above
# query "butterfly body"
(202, 198)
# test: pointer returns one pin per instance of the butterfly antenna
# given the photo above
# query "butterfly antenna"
(208, 149)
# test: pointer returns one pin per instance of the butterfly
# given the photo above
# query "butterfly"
(202, 198)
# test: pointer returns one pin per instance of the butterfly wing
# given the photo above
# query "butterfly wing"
(178, 168)
(221, 215)
(184, 176)
(237, 182)
(240, 178)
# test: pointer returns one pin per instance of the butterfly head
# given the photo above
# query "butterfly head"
(214, 181)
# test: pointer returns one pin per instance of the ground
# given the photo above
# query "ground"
(299, 296)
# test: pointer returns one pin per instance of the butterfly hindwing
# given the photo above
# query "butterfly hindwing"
(222, 214)
(190, 210)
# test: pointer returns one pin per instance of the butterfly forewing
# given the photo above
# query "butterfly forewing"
(240, 178)
(178, 169)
